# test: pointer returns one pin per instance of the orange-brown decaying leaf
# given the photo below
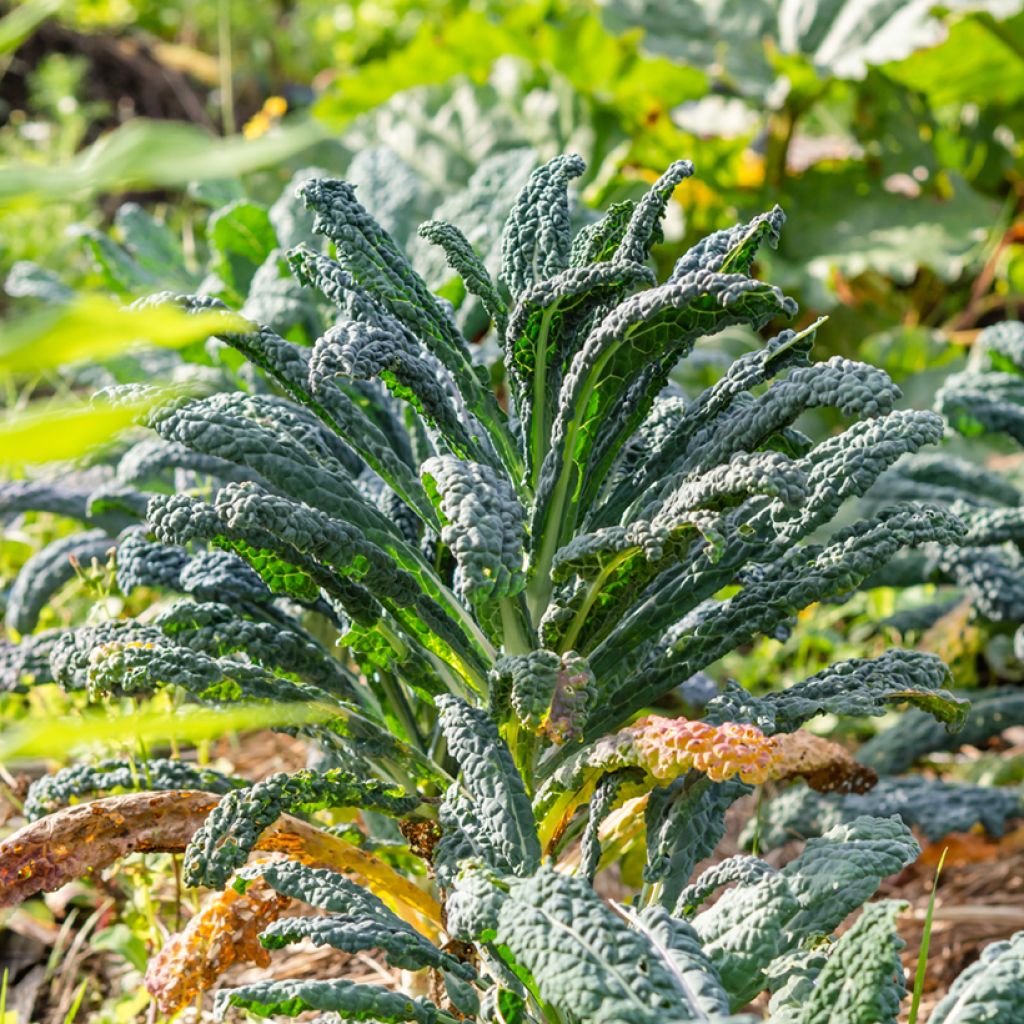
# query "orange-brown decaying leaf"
(224, 932)
(50, 852)
(971, 848)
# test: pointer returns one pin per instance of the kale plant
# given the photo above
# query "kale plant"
(986, 399)
(517, 578)
(980, 582)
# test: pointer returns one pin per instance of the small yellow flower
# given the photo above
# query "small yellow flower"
(257, 125)
(699, 196)
(750, 173)
(276, 106)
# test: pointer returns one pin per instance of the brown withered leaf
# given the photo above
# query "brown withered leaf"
(224, 932)
(422, 835)
(959, 848)
(825, 766)
(971, 848)
(48, 853)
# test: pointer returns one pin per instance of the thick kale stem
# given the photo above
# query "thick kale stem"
(477, 684)
(514, 628)
(492, 418)
(466, 621)
(560, 515)
(444, 670)
(400, 706)
(522, 743)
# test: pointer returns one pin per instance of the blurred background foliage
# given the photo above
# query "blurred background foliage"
(891, 134)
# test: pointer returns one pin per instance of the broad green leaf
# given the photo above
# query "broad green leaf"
(989, 60)
(835, 38)
(30, 280)
(678, 947)
(467, 44)
(242, 239)
(143, 153)
(870, 229)
(575, 45)
(154, 245)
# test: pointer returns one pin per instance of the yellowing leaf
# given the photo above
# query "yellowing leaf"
(313, 846)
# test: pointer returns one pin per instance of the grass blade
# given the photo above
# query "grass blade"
(76, 1002)
(153, 727)
(926, 936)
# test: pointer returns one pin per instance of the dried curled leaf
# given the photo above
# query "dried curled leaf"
(53, 851)
(50, 852)
(224, 932)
